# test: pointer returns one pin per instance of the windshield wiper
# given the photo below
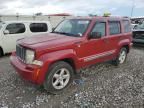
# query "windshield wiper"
(69, 34)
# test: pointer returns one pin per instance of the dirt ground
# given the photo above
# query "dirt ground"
(102, 85)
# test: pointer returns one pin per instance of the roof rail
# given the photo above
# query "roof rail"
(125, 17)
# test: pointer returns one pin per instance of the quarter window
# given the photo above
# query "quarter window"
(127, 26)
(16, 28)
(114, 27)
(100, 27)
(38, 27)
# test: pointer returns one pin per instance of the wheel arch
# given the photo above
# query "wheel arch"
(69, 60)
(127, 47)
(125, 43)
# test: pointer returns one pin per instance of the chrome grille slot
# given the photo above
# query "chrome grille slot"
(20, 52)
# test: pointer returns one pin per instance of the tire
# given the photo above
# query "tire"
(121, 57)
(1, 52)
(59, 77)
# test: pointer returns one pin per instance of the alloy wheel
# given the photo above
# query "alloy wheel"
(61, 78)
(122, 56)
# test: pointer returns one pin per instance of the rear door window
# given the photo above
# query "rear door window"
(127, 26)
(16, 28)
(38, 27)
(114, 27)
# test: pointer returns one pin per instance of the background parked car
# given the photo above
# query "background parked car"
(138, 34)
(133, 26)
(11, 31)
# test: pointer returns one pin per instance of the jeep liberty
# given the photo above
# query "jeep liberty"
(52, 59)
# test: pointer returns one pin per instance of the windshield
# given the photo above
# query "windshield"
(139, 26)
(72, 27)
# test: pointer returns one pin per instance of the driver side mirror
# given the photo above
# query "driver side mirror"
(95, 35)
(6, 32)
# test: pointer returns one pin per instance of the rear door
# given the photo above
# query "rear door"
(114, 36)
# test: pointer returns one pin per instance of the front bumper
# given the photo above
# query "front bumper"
(27, 72)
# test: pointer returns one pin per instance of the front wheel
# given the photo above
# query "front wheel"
(121, 57)
(59, 77)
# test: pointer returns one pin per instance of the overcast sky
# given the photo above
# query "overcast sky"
(75, 7)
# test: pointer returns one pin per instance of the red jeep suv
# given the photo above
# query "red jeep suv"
(53, 59)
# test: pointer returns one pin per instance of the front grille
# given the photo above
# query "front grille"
(21, 52)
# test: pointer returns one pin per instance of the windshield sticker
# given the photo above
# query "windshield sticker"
(83, 22)
(79, 34)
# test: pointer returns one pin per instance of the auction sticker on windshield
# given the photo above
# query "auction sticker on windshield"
(83, 22)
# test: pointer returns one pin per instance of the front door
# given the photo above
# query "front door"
(11, 34)
(94, 50)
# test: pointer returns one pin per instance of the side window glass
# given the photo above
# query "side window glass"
(16, 28)
(38, 27)
(114, 27)
(100, 27)
(127, 26)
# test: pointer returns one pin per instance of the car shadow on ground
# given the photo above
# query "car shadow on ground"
(6, 55)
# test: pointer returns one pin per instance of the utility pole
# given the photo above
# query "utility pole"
(17, 15)
(133, 6)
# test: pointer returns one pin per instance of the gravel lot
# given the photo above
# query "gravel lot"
(101, 85)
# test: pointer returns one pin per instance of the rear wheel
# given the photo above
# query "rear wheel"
(121, 57)
(59, 77)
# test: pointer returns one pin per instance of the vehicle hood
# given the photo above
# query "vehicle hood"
(48, 40)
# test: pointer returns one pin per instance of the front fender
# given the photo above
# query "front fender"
(58, 55)
(52, 57)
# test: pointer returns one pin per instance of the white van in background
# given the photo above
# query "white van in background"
(11, 31)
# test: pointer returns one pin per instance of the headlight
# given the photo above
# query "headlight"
(30, 56)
